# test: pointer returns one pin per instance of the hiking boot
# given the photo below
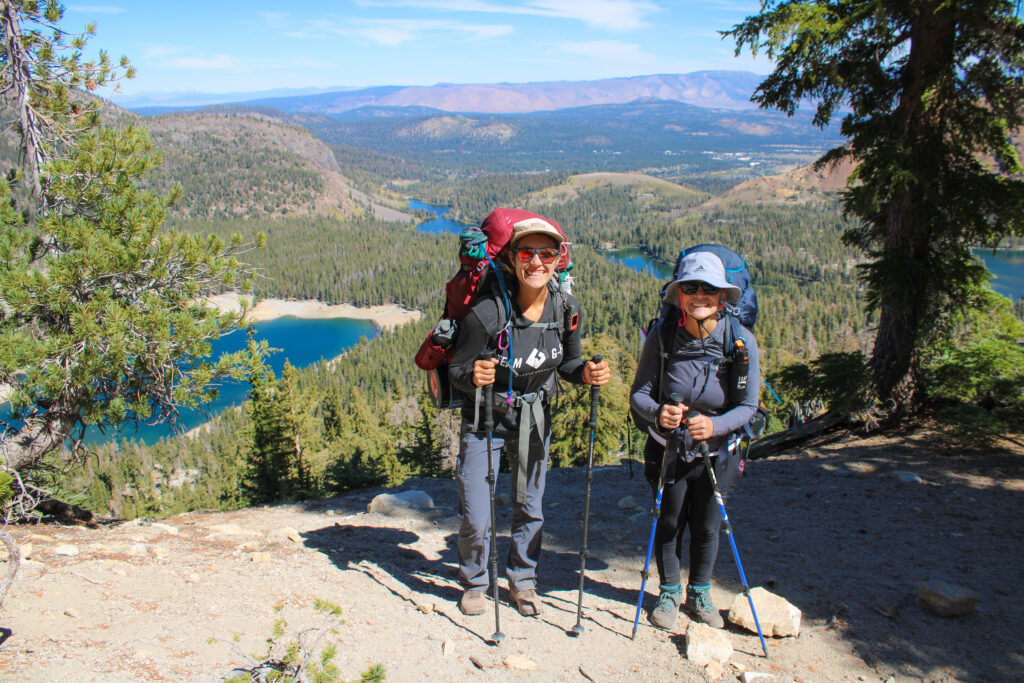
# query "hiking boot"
(699, 605)
(525, 601)
(473, 602)
(667, 608)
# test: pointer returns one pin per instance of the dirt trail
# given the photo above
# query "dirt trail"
(835, 530)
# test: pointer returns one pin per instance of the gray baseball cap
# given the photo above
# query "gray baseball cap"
(702, 266)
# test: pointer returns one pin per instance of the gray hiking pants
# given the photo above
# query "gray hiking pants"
(474, 499)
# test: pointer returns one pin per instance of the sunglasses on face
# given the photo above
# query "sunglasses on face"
(546, 254)
(690, 288)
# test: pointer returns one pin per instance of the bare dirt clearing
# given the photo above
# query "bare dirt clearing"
(844, 531)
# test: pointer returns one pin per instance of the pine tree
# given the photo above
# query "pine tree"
(269, 472)
(929, 93)
(102, 317)
(303, 428)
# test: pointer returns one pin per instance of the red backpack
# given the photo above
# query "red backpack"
(478, 250)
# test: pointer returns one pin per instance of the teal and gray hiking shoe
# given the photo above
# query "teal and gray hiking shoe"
(667, 608)
(699, 605)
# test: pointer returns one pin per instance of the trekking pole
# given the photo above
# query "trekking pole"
(667, 458)
(595, 395)
(489, 426)
(702, 446)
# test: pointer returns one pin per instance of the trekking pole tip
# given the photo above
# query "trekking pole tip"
(577, 630)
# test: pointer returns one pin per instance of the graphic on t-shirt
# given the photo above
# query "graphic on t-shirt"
(536, 359)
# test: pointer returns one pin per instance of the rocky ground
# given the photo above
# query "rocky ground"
(846, 531)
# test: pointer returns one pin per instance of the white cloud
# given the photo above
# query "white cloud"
(614, 15)
(213, 63)
(610, 51)
(235, 65)
(394, 32)
(96, 9)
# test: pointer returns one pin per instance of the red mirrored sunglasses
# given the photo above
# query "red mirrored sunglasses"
(547, 254)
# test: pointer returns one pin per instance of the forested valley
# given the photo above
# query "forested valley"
(364, 419)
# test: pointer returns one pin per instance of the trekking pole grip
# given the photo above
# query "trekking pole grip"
(702, 446)
(595, 396)
(488, 398)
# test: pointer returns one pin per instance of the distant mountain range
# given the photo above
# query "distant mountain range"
(710, 89)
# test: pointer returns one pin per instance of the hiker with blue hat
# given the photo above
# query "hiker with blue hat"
(688, 394)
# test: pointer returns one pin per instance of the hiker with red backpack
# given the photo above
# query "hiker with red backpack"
(517, 335)
(696, 384)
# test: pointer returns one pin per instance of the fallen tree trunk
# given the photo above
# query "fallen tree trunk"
(784, 441)
(13, 560)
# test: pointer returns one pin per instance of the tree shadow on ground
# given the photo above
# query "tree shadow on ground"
(848, 533)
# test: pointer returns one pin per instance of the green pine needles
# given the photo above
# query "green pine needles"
(929, 94)
(299, 655)
(101, 314)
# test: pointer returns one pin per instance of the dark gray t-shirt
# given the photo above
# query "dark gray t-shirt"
(537, 353)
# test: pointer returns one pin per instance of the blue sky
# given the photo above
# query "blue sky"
(235, 46)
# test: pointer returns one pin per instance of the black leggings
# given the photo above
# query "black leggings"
(689, 500)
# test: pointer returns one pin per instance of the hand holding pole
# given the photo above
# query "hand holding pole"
(488, 397)
(668, 459)
(702, 446)
(595, 397)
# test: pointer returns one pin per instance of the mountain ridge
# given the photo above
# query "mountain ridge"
(714, 89)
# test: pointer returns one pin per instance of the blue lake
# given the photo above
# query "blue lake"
(438, 225)
(302, 342)
(1007, 268)
(639, 261)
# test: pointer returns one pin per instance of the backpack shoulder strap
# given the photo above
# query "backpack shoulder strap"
(667, 325)
(570, 318)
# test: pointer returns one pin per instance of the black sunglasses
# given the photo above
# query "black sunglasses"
(546, 254)
(690, 288)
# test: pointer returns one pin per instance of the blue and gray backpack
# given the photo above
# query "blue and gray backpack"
(743, 312)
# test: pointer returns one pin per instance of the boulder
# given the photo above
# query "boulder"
(520, 663)
(285, 533)
(777, 616)
(757, 677)
(706, 645)
(908, 477)
(392, 503)
(946, 600)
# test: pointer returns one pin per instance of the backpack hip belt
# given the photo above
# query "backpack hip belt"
(531, 413)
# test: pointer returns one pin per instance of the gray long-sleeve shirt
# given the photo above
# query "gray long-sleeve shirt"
(690, 370)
